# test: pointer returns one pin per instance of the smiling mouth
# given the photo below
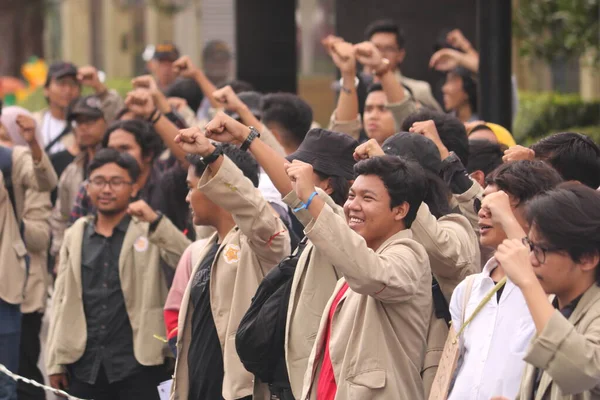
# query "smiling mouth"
(354, 220)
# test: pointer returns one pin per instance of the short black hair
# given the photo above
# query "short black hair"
(340, 187)
(242, 159)
(576, 157)
(186, 89)
(144, 134)
(452, 132)
(404, 180)
(292, 113)
(123, 160)
(374, 87)
(239, 86)
(524, 179)
(484, 156)
(385, 26)
(469, 83)
(568, 218)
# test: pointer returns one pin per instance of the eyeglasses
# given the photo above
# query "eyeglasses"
(114, 183)
(538, 251)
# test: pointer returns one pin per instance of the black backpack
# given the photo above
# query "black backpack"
(260, 336)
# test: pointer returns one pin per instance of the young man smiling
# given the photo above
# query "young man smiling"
(371, 340)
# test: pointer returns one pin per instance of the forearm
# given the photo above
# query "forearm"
(394, 91)
(537, 301)
(207, 87)
(347, 104)
(512, 228)
(272, 163)
(168, 131)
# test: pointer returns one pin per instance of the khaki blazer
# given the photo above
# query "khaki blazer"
(257, 243)
(568, 351)
(453, 250)
(421, 91)
(143, 284)
(314, 280)
(31, 185)
(379, 329)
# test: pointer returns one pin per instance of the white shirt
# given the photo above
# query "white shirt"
(495, 341)
(51, 128)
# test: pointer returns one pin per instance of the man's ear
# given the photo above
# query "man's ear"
(589, 262)
(400, 211)
(328, 188)
(479, 177)
(401, 55)
(135, 188)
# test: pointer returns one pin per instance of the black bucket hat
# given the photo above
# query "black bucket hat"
(415, 147)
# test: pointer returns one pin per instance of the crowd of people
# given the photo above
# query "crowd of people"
(218, 236)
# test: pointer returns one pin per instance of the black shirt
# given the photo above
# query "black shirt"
(205, 357)
(109, 332)
(60, 161)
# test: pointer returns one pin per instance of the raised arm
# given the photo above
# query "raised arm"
(187, 69)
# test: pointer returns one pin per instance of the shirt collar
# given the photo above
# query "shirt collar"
(122, 226)
(489, 267)
(567, 311)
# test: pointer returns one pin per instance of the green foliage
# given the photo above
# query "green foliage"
(541, 114)
(558, 29)
(36, 101)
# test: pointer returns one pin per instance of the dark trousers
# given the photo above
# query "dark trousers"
(10, 326)
(29, 355)
(141, 386)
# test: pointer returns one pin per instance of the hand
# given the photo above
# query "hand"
(368, 149)
(145, 82)
(517, 153)
(498, 205)
(456, 39)
(228, 99)
(429, 130)
(59, 381)
(330, 40)
(140, 102)
(185, 67)
(301, 174)
(194, 141)
(88, 76)
(368, 55)
(142, 211)
(222, 128)
(514, 258)
(177, 103)
(27, 127)
(342, 54)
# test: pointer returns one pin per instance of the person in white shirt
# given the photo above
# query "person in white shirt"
(494, 342)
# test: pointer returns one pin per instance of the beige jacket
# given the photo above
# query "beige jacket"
(568, 351)
(68, 187)
(111, 103)
(312, 286)
(31, 184)
(453, 250)
(421, 91)
(144, 290)
(379, 329)
(253, 247)
(400, 111)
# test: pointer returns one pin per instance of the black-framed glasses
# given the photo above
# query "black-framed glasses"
(114, 183)
(538, 251)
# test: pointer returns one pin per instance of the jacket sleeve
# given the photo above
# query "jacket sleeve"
(45, 176)
(393, 276)
(39, 176)
(111, 103)
(402, 110)
(303, 215)
(170, 240)
(571, 358)
(466, 203)
(230, 189)
(36, 217)
(451, 245)
(351, 128)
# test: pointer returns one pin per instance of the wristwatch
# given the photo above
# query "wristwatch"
(213, 156)
(253, 135)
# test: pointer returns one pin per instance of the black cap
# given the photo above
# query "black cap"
(59, 70)
(252, 101)
(166, 52)
(330, 153)
(415, 147)
(89, 106)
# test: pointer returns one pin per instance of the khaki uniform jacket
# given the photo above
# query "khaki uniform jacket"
(568, 351)
(314, 280)
(68, 187)
(31, 184)
(111, 103)
(257, 243)
(453, 250)
(142, 281)
(421, 91)
(379, 329)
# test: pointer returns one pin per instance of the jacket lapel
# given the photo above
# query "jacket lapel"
(133, 233)
(74, 249)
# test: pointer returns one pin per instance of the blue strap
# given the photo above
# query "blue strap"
(305, 206)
